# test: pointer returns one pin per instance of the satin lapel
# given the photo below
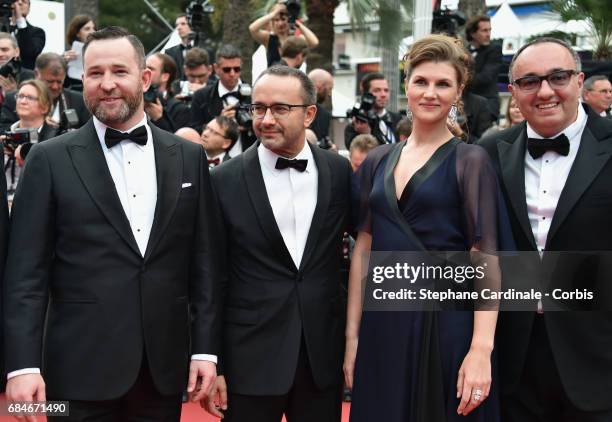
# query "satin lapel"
(89, 162)
(591, 158)
(390, 194)
(168, 169)
(323, 199)
(256, 189)
(512, 163)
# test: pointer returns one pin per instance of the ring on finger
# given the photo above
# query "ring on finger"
(477, 395)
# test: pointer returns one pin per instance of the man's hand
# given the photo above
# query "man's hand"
(229, 111)
(216, 401)
(154, 110)
(27, 387)
(8, 83)
(202, 374)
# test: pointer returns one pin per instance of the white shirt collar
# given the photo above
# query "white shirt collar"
(571, 131)
(268, 158)
(101, 129)
(223, 90)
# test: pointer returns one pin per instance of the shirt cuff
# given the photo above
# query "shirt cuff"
(24, 371)
(209, 358)
(21, 23)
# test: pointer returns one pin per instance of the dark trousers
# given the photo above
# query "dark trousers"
(540, 396)
(303, 403)
(142, 403)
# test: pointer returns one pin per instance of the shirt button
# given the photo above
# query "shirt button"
(138, 230)
(544, 191)
(547, 161)
(129, 162)
(134, 196)
(543, 218)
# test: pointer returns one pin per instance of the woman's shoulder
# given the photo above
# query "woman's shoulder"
(472, 153)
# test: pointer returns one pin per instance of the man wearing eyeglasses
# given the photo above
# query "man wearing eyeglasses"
(219, 135)
(556, 362)
(597, 93)
(284, 205)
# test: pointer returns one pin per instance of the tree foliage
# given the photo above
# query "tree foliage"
(598, 14)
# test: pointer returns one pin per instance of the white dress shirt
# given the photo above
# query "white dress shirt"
(236, 149)
(132, 168)
(545, 178)
(293, 197)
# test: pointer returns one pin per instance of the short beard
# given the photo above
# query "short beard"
(130, 105)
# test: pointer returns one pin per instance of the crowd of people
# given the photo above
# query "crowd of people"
(176, 234)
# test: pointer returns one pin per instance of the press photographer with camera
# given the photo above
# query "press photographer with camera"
(33, 106)
(369, 116)
(272, 30)
(181, 24)
(68, 109)
(11, 69)
(31, 39)
(227, 96)
(198, 73)
(164, 111)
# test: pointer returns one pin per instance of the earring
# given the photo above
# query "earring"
(452, 114)
(409, 114)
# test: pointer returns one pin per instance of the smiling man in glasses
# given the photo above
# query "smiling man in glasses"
(285, 207)
(556, 171)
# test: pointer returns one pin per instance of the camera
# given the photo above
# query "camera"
(364, 111)
(69, 120)
(12, 68)
(151, 94)
(14, 138)
(447, 22)
(243, 116)
(6, 9)
(197, 12)
(293, 10)
(325, 142)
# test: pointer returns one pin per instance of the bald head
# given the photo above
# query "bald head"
(189, 134)
(324, 83)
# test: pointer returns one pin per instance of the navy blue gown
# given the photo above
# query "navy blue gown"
(407, 362)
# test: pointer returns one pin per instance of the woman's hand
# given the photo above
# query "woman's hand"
(70, 55)
(350, 353)
(474, 380)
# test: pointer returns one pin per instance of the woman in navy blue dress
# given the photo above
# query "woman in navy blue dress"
(429, 193)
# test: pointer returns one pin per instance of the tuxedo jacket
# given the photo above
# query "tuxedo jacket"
(487, 65)
(4, 227)
(81, 302)
(269, 305)
(31, 41)
(581, 341)
(205, 106)
(74, 100)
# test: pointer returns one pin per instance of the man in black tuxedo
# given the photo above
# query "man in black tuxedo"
(597, 93)
(31, 38)
(4, 226)
(555, 170)
(284, 206)
(51, 69)
(108, 288)
(487, 60)
(178, 51)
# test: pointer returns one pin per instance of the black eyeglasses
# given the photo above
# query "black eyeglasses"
(557, 79)
(236, 69)
(258, 111)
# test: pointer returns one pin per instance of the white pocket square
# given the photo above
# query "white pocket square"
(185, 185)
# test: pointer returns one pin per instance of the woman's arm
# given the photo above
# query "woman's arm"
(309, 36)
(256, 28)
(357, 275)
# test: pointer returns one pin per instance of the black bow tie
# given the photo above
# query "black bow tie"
(112, 137)
(283, 163)
(537, 147)
(214, 162)
(186, 47)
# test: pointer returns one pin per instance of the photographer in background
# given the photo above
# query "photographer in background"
(370, 116)
(164, 111)
(273, 29)
(181, 24)
(218, 137)
(198, 74)
(33, 106)
(68, 109)
(31, 39)
(11, 69)
(79, 28)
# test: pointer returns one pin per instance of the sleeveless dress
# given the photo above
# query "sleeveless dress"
(407, 362)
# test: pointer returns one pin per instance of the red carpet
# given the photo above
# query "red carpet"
(194, 413)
